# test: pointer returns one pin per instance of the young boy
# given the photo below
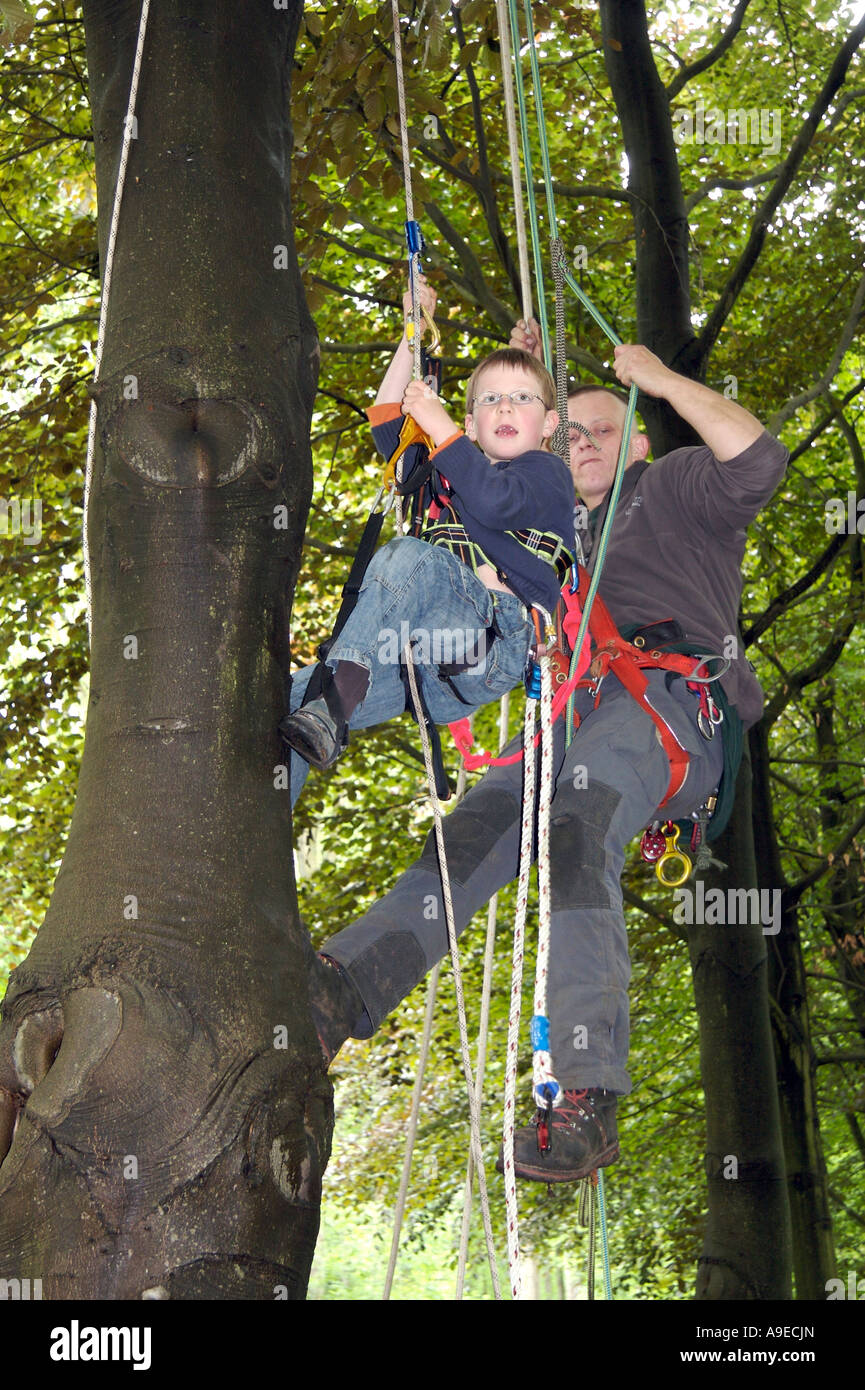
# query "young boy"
(463, 592)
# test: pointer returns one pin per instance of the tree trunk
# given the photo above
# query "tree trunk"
(174, 1148)
(813, 1246)
(660, 220)
(746, 1250)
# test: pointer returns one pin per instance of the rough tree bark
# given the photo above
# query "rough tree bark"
(173, 1146)
(746, 1248)
(663, 287)
(813, 1246)
(746, 1251)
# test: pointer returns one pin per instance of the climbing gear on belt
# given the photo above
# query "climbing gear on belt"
(674, 866)
(659, 846)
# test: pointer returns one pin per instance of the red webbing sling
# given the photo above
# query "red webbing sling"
(611, 653)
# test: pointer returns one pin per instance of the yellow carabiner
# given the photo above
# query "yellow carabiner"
(670, 857)
(411, 433)
(435, 336)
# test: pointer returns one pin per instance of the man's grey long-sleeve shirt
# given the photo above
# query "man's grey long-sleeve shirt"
(677, 544)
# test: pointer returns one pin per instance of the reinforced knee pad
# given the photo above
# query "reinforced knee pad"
(581, 818)
(471, 832)
(387, 971)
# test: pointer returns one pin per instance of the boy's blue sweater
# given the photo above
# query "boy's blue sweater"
(533, 490)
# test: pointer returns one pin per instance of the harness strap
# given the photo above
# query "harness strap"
(448, 669)
(442, 785)
(416, 479)
(611, 653)
(461, 730)
(544, 545)
(627, 663)
(350, 590)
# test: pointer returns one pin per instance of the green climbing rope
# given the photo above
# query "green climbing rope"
(564, 274)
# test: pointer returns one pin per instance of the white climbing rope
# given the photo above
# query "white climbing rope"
(542, 1065)
(417, 1092)
(475, 1155)
(526, 839)
(414, 258)
(514, 155)
(411, 1130)
(474, 1117)
(106, 287)
(483, 1030)
(474, 1087)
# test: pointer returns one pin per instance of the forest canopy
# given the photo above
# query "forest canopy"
(765, 101)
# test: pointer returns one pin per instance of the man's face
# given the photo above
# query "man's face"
(507, 428)
(593, 464)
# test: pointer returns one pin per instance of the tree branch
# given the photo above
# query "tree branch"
(856, 1131)
(795, 891)
(848, 333)
(764, 214)
(474, 282)
(833, 980)
(796, 681)
(710, 58)
(749, 181)
(644, 905)
(586, 190)
(853, 95)
(854, 1215)
(826, 421)
(787, 598)
(486, 187)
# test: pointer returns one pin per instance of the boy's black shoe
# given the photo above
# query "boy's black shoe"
(315, 734)
(335, 1004)
(582, 1137)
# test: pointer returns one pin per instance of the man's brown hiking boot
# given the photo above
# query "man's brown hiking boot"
(335, 1004)
(580, 1137)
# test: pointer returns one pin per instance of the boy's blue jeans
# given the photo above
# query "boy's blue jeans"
(415, 589)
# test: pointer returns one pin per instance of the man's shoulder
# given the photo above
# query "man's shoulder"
(729, 492)
(765, 449)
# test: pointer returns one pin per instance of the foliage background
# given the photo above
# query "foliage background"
(358, 828)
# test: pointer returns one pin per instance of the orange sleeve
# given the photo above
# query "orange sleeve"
(457, 434)
(380, 414)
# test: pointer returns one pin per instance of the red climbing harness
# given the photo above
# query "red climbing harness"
(627, 661)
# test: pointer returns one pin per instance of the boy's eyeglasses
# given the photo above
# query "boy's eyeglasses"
(515, 397)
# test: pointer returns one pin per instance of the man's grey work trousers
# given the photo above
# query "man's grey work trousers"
(608, 786)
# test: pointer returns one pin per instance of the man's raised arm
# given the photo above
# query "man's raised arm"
(727, 428)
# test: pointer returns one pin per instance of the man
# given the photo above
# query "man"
(674, 557)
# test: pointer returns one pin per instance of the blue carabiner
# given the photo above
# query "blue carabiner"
(414, 239)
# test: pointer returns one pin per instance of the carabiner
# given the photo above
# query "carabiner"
(436, 338)
(702, 658)
(670, 857)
